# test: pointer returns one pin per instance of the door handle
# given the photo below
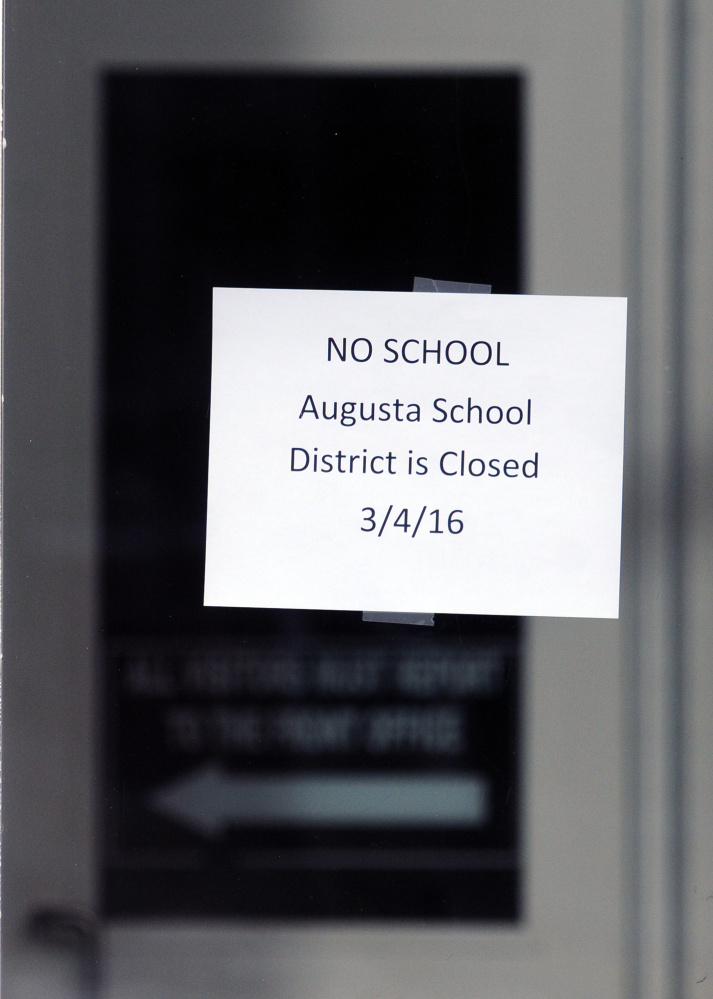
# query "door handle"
(75, 932)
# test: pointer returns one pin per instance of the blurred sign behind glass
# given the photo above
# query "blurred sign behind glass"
(283, 763)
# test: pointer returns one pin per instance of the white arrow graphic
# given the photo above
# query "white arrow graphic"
(210, 799)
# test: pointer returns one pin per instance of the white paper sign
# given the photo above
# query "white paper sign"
(407, 452)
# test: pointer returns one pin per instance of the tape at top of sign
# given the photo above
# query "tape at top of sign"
(450, 287)
(421, 284)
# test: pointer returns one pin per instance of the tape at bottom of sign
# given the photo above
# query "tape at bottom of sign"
(397, 617)
(452, 288)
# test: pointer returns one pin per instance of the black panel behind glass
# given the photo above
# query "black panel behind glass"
(306, 181)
